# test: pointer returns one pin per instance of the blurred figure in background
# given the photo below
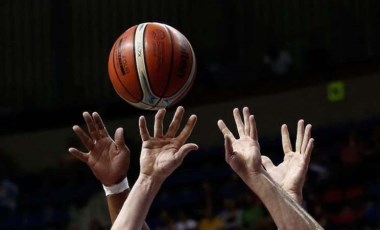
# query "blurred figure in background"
(278, 62)
(9, 190)
(231, 215)
(253, 212)
(210, 219)
(165, 221)
(185, 222)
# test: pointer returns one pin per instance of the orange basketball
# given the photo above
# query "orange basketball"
(152, 66)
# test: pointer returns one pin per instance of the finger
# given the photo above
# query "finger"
(238, 122)
(186, 149)
(144, 133)
(246, 116)
(285, 138)
(267, 162)
(309, 149)
(300, 131)
(306, 138)
(92, 130)
(223, 128)
(79, 155)
(228, 147)
(158, 123)
(253, 129)
(174, 125)
(85, 139)
(119, 138)
(100, 125)
(187, 130)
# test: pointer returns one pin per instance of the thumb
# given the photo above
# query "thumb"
(119, 138)
(268, 164)
(228, 147)
(78, 154)
(185, 149)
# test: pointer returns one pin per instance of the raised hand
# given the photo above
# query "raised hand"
(108, 159)
(244, 157)
(243, 153)
(162, 153)
(291, 173)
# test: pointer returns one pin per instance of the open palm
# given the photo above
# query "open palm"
(108, 159)
(291, 173)
(162, 153)
(242, 154)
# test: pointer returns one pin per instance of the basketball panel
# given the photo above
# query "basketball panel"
(158, 57)
(183, 62)
(116, 81)
(126, 63)
(178, 96)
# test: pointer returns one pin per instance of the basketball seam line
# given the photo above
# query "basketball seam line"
(171, 66)
(117, 74)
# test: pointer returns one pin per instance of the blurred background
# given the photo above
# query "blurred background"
(286, 60)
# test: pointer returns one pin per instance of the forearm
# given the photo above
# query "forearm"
(136, 206)
(115, 203)
(297, 197)
(286, 213)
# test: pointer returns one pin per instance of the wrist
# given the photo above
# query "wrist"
(116, 188)
(259, 182)
(109, 180)
(147, 184)
(150, 180)
(251, 177)
(296, 196)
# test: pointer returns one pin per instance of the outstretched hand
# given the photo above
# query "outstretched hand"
(108, 159)
(162, 153)
(291, 173)
(242, 154)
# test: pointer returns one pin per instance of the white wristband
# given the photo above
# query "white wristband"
(116, 188)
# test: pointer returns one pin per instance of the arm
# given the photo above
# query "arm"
(115, 202)
(286, 213)
(161, 154)
(244, 157)
(291, 173)
(108, 159)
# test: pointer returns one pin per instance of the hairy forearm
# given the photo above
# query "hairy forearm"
(136, 206)
(285, 211)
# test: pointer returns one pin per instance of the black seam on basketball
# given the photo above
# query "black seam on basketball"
(119, 58)
(192, 79)
(141, 102)
(170, 69)
(193, 59)
(185, 92)
(117, 75)
(147, 72)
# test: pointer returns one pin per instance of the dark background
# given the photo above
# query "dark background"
(54, 53)
(53, 66)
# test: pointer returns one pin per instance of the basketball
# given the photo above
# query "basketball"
(152, 65)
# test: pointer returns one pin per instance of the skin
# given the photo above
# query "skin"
(288, 173)
(291, 173)
(161, 154)
(107, 158)
(244, 157)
